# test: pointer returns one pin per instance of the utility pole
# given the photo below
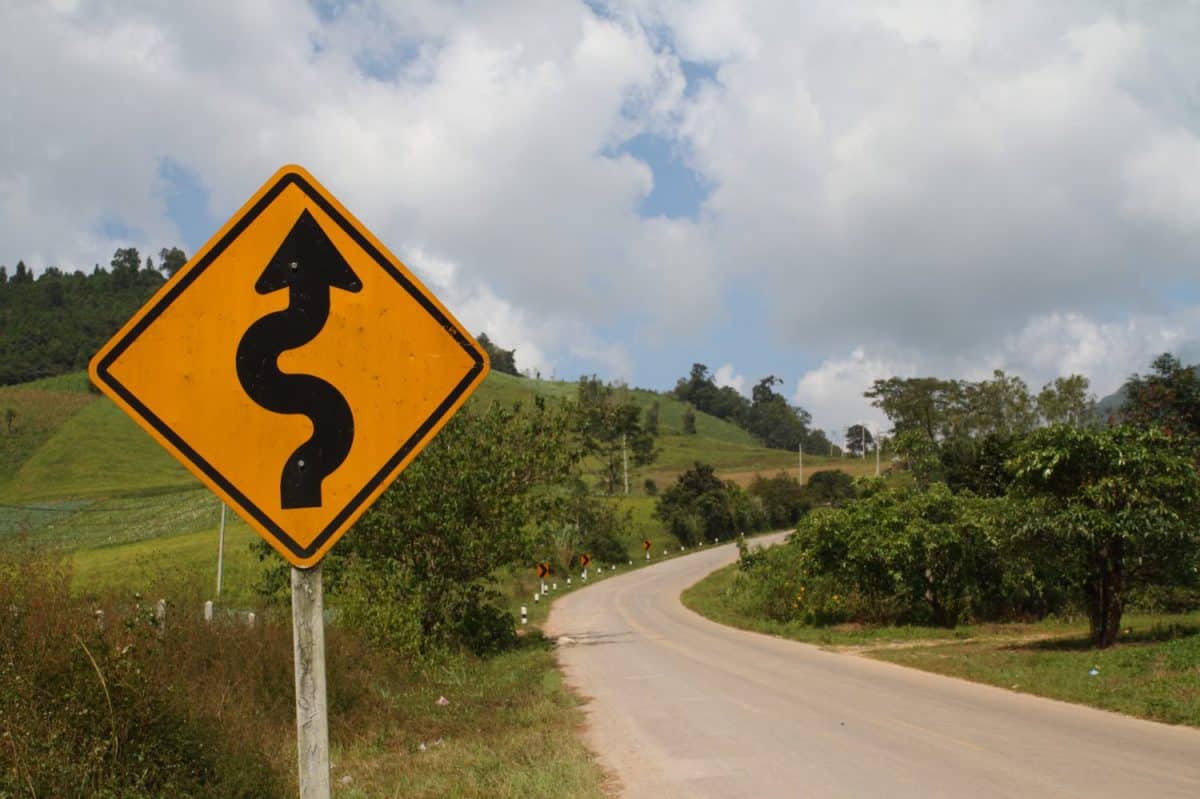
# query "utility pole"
(800, 451)
(876, 456)
(625, 463)
(221, 549)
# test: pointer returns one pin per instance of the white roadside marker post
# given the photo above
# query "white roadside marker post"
(208, 612)
(524, 615)
(312, 712)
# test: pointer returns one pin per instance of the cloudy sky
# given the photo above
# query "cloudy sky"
(828, 192)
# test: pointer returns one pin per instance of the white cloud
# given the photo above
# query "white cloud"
(939, 187)
(833, 391)
(727, 376)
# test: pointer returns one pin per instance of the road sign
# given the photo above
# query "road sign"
(543, 570)
(646, 544)
(294, 365)
(584, 560)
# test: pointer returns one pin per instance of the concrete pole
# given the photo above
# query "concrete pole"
(312, 713)
(877, 456)
(221, 549)
(800, 450)
(625, 463)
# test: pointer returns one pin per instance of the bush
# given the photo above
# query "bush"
(782, 499)
(901, 557)
(124, 708)
(699, 506)
(829, 487)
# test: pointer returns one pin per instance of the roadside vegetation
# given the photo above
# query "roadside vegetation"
(1049, 550)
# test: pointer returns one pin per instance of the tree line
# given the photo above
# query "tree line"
(766, 415)
(1009, 507)
(55, 322)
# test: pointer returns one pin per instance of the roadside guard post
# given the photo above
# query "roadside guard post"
(296, 367)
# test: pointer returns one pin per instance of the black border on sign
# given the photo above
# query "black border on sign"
(281, 535)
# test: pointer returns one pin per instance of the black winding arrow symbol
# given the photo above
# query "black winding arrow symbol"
(309, 266)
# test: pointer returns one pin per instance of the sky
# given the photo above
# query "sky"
(827, 192)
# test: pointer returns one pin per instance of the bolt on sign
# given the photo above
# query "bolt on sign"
(294, 365)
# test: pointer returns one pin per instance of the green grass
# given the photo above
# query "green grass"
(98, 451)
(509, 731)
(36, 413)
(188, 559)
(1152, 672)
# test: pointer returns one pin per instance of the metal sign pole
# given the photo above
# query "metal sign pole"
(312, 713)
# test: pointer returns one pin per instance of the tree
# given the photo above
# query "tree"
(171, 260)
(1168, 398)
(1001, 406)
(609, 427)
(689, 421)
(650, 422)
(858, 439)
(1118, 507)
(922, 404)
(502, 360)
(700, 506)
(829, 487)
(414, 572)
(1067, 401)
(776, 423)
(700, 390)
(782, 498)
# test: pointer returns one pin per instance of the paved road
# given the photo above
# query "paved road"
(683, 707)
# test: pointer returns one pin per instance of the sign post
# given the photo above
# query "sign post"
(312, 710)
(296, 367)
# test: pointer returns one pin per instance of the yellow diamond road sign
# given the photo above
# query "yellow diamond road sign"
(294, 365)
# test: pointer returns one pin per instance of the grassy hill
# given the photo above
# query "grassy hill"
(77, 475)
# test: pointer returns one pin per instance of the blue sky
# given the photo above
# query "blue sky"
(830, 193)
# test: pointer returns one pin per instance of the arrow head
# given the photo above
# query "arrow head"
(307, 258)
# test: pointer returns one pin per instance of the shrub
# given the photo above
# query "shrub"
(782, 499)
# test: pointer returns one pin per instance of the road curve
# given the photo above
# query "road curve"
(684, 707)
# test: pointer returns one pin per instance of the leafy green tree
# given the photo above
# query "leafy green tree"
(650, 423)
(921, 404)
(1066, 400)
(502, 360)
(776, 423)
(782, 498)
(700, 506)
(689, 421)
(1168, 398)
(414, 572)
(171, 260)
(610, 428)
(1118, 508)
(700, 390)
(858, 439)
(829, 487)
(1001, 406)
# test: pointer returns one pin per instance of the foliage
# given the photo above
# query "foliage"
(1067, 401)
(1168, 399)
(1116, 508)
(829, 487)
(858, 439)
(54, 324)
(609, 425)
(767, 415)
(689, 421)
(111, 704)
(699, 506)
(926, 557)
(482, 495)
(502, 360)
(782, 499)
